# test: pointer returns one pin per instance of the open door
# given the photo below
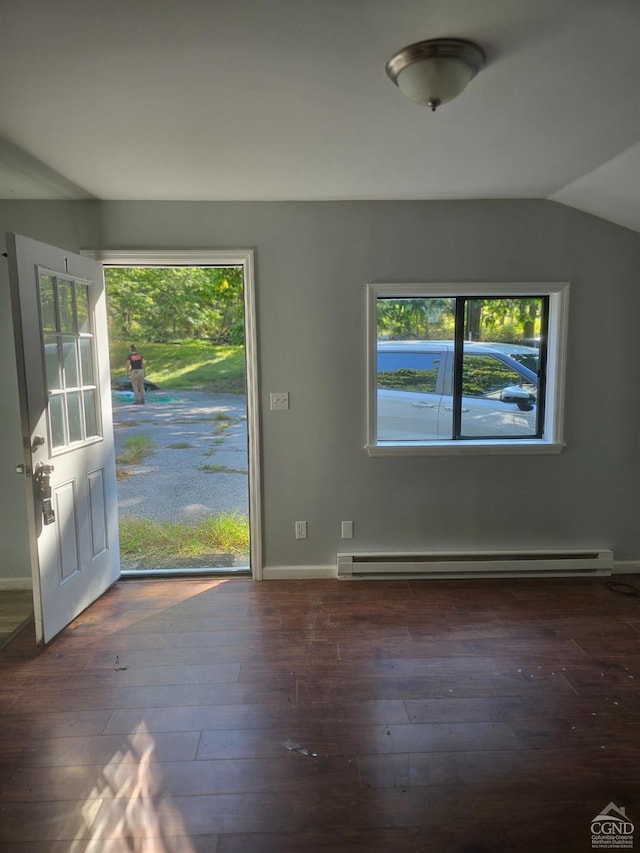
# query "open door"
(60, 325)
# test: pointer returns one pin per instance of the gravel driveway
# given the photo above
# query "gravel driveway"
(198, 466)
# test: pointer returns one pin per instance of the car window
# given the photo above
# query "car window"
(530, 360)
(409, 371)
(487, 376)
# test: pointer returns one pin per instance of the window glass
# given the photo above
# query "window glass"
(57, 420)
(70, 360)
(410, 371)
(52, 362)
(65, 306)
(476, 363)
(82, 307)
(495, 402)
(408, 318)
(47, 303)
(530, 360)
(90, 418)
(74, 408)
(486, 376)
(86, 360)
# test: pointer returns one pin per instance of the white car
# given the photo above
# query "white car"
(415, 392)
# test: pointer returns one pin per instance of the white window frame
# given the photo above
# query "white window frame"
(553, 430)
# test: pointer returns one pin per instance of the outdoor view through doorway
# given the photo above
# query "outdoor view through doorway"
(182, 457)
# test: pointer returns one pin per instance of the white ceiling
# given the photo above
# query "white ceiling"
(288, 100)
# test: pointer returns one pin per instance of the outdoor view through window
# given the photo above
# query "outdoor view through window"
(453, 368)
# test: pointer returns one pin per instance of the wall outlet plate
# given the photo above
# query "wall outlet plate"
(301, 529)
(347, 529)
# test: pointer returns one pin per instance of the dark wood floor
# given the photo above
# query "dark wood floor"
(16, 608)
(445, 716)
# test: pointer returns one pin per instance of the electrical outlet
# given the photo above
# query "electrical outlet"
(279, 401)
(347, 529)
(301, 529)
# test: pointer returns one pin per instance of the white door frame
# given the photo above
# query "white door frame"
(225, 258)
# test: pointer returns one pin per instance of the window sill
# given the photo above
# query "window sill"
(533, 447)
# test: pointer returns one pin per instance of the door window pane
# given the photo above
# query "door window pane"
(90, 413)
(65, 306)
(57, 420)
(70, 356)
(47, 303)
(52, 362)
(82, 307)
(69, 359)
(86, 361)
(74, 408)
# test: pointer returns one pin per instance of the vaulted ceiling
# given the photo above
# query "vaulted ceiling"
(288, 100)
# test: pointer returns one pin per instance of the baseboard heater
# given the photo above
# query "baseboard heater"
(467, 564)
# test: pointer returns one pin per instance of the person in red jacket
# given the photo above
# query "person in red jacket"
(135, 371)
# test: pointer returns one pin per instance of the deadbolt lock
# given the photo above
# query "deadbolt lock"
(43, 490)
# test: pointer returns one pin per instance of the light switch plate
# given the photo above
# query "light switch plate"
(279, 401)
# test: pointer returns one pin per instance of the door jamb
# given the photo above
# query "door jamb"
(225, 258)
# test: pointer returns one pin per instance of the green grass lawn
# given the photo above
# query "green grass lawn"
(148, 540)
(187, 365)
(136, 450)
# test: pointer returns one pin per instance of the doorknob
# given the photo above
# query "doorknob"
(38, 441)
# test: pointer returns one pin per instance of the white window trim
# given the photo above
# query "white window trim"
(553, 441)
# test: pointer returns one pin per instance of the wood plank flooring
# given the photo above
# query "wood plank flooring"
(226, 716)
(16, 608)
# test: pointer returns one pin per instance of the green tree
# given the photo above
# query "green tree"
(486, 319)
(418, 318)
(161, 304)
(501, 319)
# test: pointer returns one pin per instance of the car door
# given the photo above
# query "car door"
(486, 409)
(409, 392)
(59, 317)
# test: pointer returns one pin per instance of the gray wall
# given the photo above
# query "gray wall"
(312, 262)
(14, 553)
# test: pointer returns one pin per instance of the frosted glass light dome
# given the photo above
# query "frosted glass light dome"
(434, 72)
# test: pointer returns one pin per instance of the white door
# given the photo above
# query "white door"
(60, 325)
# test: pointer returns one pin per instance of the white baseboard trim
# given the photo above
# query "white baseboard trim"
(285, 573)
(626, 567)
(15, 583)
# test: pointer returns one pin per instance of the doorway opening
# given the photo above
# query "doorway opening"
(187, 477)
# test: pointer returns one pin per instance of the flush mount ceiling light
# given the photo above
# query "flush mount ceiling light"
(435, 71)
